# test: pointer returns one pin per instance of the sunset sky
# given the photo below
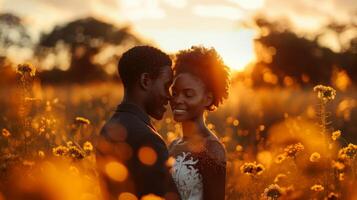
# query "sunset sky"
(179, 24)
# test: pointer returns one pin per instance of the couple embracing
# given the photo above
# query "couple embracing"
(197, 82)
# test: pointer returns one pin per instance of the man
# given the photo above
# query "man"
(131, 155)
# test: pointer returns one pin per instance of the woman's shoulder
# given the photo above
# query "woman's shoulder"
(215, 148)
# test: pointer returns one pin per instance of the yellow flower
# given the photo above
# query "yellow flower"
(5, 133)
(280, 158)
(82, 120)
(348, 152)
(87, 147)
(69, 143)
(315, 157)
(252, 168)
(325, 93)
(28, 163)
(336, 135)
(293, 150)
(339, 166)
(41, 154)
(332, 196)
(279, 177)
(239, 148)
(272, 192)
(341, 176)
(60, 151)
(74, 152)
(317, 188)
(26, 68)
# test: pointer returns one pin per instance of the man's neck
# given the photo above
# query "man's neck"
(134, 99)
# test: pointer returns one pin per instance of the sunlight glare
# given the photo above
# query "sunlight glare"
(236, 46)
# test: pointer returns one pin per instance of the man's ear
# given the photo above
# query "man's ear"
(209, 99)
(145, 81)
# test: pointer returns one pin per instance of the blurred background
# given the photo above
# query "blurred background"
(270, 45)
(277, 50)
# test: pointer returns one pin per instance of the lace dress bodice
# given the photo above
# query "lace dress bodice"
(199, 170)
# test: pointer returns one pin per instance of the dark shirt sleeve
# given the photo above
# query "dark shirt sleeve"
(143, 179)
(156, 178)
(214, 172)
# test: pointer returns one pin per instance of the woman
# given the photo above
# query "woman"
(201, 84)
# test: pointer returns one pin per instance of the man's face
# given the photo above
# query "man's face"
(159, 94)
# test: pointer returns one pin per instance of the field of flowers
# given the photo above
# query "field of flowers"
(284, 143)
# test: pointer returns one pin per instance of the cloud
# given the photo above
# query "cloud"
(141, 9)
(310, 15)
(218, 11)
(176, 3)
(249, 4)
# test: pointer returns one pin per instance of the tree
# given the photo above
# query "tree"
(285, 57)
(14, 36)
(83, 40)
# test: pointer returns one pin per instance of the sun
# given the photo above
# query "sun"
(235, 47)
(237, 61)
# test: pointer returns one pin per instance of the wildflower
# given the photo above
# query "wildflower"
(60, 151)
(235, 122)
(239, 148)
(315, 157)
(272, 192)
(293, 150)
(348, 152)
(280, 158)
(5, 133)
(28, 163)
(82, 120)
(279, 177)
(336, 135)
(252, 169)
(69, 144)
(87, 147)
(339, 166)
(26, 68)
(41, 154)
(332, 196)
(325, 93)
(317, 188)
(74, 152)
(341, 176)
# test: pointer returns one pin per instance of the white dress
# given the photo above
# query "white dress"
(187, 178)
(199, 169)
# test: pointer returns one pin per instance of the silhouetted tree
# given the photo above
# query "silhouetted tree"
(285, 56)
(83, 39)
(13, 33)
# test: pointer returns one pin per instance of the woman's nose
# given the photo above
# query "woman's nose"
(177, 99)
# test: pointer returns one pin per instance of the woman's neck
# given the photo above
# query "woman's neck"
(194, 129)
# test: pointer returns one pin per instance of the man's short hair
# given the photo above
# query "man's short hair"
(141, 59)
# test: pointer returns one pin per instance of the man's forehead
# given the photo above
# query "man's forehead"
(166, 72)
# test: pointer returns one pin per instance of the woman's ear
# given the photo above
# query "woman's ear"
(209, 99)
(145, 81)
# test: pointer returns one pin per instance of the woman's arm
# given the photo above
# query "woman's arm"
(214, 172)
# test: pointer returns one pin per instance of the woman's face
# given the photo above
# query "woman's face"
(189, 97)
